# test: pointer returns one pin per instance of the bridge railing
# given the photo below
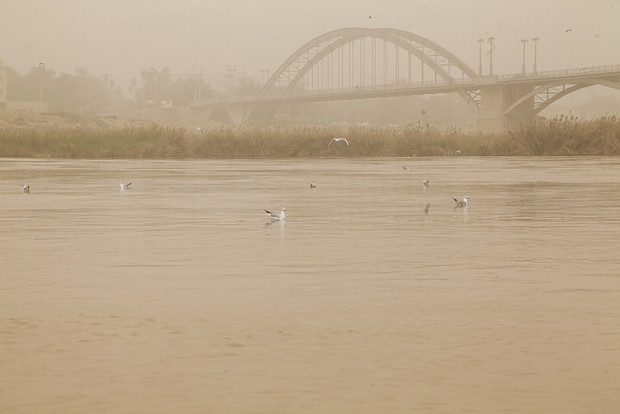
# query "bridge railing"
(591, 70)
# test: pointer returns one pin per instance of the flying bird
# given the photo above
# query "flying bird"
(337, 140)
(461, 203)
(277, 216)
(202, 131)
(26, 189)
(125, 186)
(406, 167)
(569, 30)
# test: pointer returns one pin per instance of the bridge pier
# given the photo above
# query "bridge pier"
(495, 99)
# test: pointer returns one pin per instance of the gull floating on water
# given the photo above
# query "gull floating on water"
(461, 203)
(26, 189)
(277, 216)
(338, 139)
(125, 186)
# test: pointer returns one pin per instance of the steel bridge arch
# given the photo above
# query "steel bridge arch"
(292, 71)
(559, 94)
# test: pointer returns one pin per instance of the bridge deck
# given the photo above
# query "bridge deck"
(574, 75)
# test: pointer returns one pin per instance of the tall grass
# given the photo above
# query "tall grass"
(570, 136)
(557, 136)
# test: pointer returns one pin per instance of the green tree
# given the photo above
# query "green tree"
(64, 92)
(159, 85)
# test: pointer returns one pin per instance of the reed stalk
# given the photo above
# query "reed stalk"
(559, 136)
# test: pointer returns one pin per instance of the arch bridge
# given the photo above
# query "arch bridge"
(360, 63)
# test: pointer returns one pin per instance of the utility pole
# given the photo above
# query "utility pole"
(264, 75)
(41, 69)
(480, 41)
(491, 40)
(524, 41)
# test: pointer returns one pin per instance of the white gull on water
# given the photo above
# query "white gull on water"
(461, 203)
(277, 216)
(125, 186)
(26, 189)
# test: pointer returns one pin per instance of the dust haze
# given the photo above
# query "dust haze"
(119, 39)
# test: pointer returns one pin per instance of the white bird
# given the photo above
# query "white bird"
(276, 216)
(461, 203)
(125, 186)
(312, 185)
(202, 131)
(26, 189)
(338, 139)
(425, 183)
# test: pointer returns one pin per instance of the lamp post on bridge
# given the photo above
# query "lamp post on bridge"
(491, 40)
(524, 41)
(480, 41)
(535, 40)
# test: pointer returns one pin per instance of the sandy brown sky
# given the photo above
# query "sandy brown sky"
(122, 37)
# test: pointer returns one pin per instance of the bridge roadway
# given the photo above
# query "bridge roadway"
(513, 89)
(567, 76)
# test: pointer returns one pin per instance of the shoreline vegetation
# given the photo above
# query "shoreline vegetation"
(93, 137)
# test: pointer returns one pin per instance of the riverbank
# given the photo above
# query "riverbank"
(101, 137)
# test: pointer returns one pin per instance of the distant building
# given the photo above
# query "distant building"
(3, 84)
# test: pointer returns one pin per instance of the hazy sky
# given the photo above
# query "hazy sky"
(122, 37)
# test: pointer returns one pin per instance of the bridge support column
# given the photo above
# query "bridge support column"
(495, 99)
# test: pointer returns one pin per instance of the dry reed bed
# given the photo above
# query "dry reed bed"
(556, 136)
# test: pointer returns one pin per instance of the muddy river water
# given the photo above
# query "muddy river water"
(374, 295)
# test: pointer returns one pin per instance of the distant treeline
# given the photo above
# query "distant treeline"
(561, 136)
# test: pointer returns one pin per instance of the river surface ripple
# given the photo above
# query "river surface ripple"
(375, 295)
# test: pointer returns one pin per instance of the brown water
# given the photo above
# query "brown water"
(178, 296)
